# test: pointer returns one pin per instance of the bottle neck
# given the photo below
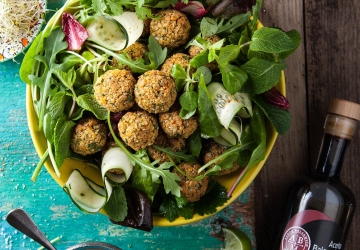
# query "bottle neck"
(338, 133)
(331, 156)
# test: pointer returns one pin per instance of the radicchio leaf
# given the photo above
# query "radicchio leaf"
(194, 8)
(274, 97)
(75, 33)
(139, 210)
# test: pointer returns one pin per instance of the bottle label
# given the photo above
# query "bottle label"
(312, 230)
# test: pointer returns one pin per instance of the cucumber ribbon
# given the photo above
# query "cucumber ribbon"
(91, 197)
(229, 110)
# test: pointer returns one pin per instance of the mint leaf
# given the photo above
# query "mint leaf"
(200, 60)
(271, 40)
(233, 77)
(57, 104)
(208, 203)
(280, 118)
(116, 206)
(88, 102)
(296, 39)
(228, 54)
(208, 27)
(66, 78)
(263, 74)
(62, 134)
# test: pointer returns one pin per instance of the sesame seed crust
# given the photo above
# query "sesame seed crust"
(155, 91)
(172, 29)
(138, 129)
(114, 90)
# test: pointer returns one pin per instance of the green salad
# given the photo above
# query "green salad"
(161, 97)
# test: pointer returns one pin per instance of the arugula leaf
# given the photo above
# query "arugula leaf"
(208, 121)
(271, 40)
(53, 44)
(255, 14)
(263, 74)
(233, 23)
(179, 156)
(116, 207)
(210, 201)
(280, 118)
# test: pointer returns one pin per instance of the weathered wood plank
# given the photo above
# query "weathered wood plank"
(288, 159)
(332, 33)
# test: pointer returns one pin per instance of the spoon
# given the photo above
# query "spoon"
(21, 221)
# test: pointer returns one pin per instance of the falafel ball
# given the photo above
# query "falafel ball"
(114, 90)
(211, 150)
(176, 127)
(178, 58)
(135, 51)
(172, 29)
(88, 136)
(176, 144)
(155, 91)
(191, 189)
(196, 50)
(138, 129)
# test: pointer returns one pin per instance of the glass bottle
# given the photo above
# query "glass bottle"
(319, 210)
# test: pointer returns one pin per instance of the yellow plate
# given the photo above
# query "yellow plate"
(39, 141)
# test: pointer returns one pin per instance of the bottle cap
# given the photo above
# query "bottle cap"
(344, 108)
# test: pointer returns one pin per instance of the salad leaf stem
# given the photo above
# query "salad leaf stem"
(237, 181)
(232, 150)
(40, 165)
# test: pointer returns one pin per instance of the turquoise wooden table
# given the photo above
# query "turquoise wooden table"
(51, 208)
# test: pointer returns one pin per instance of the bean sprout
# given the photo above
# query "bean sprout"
(20, 21)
